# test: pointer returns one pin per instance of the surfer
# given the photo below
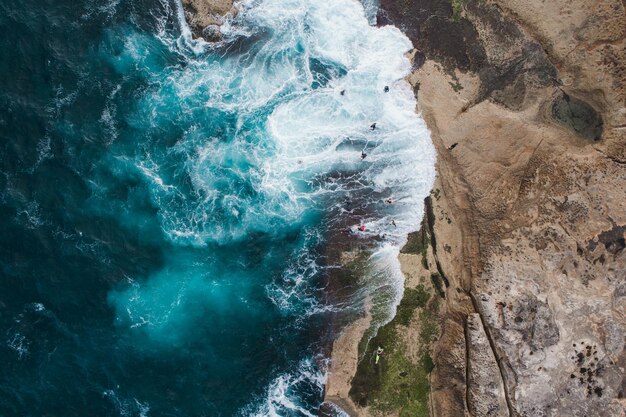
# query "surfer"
(394, 223)
(362, 228)
(452, 146)
(386, 89)
(390, 200)
(342, 92)
(373, 126)
(363, 154)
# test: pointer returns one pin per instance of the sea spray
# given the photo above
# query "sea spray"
(174, 204)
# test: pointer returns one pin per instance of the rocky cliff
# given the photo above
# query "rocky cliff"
(526, 105)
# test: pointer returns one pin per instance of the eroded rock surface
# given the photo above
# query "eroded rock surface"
(485, 389)
(206, 16)
(526, 102)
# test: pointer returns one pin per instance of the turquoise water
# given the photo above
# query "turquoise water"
(172, 212)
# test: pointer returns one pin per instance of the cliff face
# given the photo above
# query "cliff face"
(526, 104)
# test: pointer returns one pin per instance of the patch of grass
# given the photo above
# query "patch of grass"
(429, 329)
(396, 384)
(412, 299)
(404, 389)
(427, 362)
(456, 86)
(457, 8)
(418, 242)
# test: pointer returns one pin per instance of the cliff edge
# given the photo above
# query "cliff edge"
(526, 102)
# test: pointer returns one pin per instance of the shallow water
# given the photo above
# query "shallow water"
(167, 206)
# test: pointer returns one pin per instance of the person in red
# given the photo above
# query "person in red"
(362, 228)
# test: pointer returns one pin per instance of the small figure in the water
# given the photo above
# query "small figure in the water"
(373, 126)
(362, 228)
(386, 89)
(394, 223)
(299, 161)
(389, 200)
(363, 155)
(342, 92)
(452, 146)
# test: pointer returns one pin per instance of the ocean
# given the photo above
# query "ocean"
(175, 215)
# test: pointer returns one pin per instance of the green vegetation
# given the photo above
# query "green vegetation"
(456, 86)
(427, 362)
(397, 384)
(429, 330)
(417, 243)
(437, 281)
(457, 8)
(412, 299)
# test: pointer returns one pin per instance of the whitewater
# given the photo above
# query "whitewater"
(210, 194)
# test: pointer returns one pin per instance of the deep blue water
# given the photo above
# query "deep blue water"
(167, 206)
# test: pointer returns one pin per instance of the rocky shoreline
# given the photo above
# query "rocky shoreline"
(526, 103)
(532, 190)
(528, 119)
(205, 17)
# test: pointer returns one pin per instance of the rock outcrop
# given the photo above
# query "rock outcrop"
(526, 105)
(206, 16)
(485, 393)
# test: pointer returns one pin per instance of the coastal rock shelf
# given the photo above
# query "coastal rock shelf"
(532, 99)
(524, 260)
(525, 101)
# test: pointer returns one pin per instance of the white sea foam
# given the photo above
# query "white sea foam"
(308, 131)
(127, 407)
(288, 86)
(100, 8)
(295, 146)
(19, 343)
(30, 215)
(282, 395)
(310, 128)
(318, 131)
